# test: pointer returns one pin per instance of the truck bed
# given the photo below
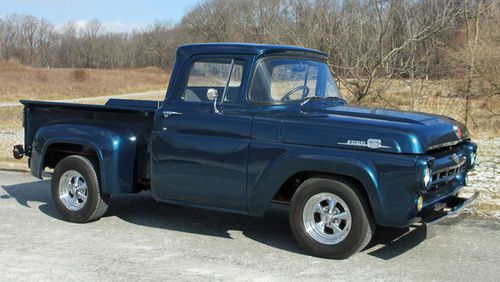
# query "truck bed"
(135, 115)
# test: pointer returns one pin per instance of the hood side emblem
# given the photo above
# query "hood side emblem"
(370, 143)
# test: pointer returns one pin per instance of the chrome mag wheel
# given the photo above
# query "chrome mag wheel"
(73, 190)
(327, 218)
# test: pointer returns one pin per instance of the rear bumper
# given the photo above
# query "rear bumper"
(449, 209)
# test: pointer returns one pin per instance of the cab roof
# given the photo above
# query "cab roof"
(243, 48)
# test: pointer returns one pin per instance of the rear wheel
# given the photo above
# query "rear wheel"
(330, 218)
(76, 190)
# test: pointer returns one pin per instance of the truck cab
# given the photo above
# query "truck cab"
(246, 125)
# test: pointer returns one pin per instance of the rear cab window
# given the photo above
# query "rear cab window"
(215, 74)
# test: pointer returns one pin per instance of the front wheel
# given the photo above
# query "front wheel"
(76, 190)
(330, 218)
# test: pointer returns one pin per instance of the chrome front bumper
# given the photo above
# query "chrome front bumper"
(450, 209)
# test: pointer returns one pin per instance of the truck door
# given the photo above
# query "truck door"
(199, 151)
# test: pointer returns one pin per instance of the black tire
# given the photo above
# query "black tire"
(362, 222)
(96, 203)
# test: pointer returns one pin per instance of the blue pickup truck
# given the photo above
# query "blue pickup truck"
(246, 125)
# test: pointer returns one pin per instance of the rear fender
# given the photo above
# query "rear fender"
(114, 145)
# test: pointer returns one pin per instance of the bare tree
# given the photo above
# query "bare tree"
(29, 26)
(90, 36)
(376, 56)
(472, 30)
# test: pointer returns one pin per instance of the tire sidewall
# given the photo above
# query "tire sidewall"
(359, 224)
(86, 169)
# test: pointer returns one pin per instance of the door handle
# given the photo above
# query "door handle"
(170, 113)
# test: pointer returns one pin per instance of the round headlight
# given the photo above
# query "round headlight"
(427, 176)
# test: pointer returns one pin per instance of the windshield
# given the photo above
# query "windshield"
(278, 81)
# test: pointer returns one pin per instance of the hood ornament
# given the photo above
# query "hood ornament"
(458, 131)
(370, 143)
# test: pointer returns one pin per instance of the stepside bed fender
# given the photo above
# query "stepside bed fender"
(289, 164)
(114, 145)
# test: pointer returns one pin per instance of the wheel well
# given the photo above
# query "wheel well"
(58, 151)
(288, 188)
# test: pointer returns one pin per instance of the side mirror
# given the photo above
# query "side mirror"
(212, 95)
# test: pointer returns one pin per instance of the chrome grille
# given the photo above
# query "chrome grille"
(449, 172)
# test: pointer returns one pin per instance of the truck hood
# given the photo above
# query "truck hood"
(371, 129)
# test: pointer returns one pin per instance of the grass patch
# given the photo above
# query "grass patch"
(11, 117)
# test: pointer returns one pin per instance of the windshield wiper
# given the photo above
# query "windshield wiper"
(308, 99)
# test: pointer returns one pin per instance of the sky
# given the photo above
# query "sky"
(116, 15)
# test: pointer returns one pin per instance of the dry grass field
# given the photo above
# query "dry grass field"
(22, 82)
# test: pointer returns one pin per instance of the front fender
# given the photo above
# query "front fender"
(113, 144)
(298, 161)
(388, 179)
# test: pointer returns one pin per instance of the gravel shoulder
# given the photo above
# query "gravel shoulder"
(485, 178)
(141, 239)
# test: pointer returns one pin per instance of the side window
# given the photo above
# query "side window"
(214, 74)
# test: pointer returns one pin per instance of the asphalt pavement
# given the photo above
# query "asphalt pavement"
(141, 239)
